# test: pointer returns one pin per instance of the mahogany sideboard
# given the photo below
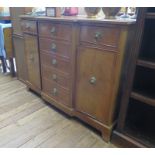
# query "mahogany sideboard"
(77, 65)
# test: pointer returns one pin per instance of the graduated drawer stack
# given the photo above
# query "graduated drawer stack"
(55, 54)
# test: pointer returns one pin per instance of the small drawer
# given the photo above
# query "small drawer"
(29, 26)
(55, 30)
(56, 47)
(56, 62)
(100, 36)
(56, 76)
(56, 92)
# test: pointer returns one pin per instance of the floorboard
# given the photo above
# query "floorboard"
(26, 121)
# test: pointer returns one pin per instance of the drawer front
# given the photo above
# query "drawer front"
(59, 63)
(56, 92)
(56, 47)
(55, 30)
(55, 76)
(100, 36)
(29, 26)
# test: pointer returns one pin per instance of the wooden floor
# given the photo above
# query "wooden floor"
(26, 121)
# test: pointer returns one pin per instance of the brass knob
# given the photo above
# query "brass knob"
(92, 80)
(98, 35)
(54, 77)
(55, 92)
(53, 47)
(54, 62)
(53, 30)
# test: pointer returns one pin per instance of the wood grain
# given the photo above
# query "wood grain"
(26, 121)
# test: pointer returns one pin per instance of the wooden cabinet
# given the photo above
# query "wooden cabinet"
(32, 60)
(81, 64)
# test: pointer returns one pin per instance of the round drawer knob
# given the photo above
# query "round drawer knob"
(97, 36)
(55, 91)
(54, 62)
(53, 47)
(54, 77)
(53, 30)
(92, 80)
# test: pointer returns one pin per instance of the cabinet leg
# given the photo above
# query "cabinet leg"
(106, 135)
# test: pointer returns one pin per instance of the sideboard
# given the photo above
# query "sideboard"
(76, 64)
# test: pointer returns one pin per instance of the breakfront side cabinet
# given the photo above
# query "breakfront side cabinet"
(81, 63)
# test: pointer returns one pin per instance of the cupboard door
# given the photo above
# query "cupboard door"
(32, 56)
(94, 86)
(18, 44)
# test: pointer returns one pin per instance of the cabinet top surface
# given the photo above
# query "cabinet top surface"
(81, 19)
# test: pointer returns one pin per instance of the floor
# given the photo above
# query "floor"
(27, 121)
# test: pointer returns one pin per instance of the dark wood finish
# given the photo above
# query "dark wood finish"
(145, 63)
(135, 125)
(130, 67)
(122, 140)
(32, 60)
(150, 15)
(143, 98)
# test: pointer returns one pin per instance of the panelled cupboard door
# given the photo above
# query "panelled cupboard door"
(94, 86)
(18, 43)
(32, 57)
